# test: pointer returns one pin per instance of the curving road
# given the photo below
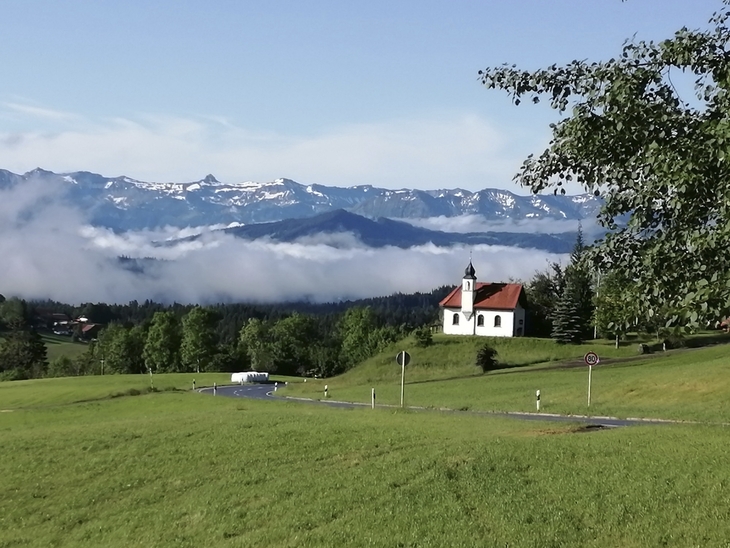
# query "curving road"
(266, 392)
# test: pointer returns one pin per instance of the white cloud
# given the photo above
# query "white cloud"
(458, 149)
(477, 223)
(38, 112)
(49, 251)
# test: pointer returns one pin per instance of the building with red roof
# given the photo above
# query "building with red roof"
(484, 309)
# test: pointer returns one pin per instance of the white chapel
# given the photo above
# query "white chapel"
(484, 309)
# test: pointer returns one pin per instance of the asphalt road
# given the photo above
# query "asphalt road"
(267, 392)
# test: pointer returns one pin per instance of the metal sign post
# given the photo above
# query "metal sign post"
(403, 359)
(591, 359)
(590, 370)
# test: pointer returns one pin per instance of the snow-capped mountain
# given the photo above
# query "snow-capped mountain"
(123, 203)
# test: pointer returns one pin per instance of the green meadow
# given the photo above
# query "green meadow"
(685, 384)
(105, 461)
(58, 346)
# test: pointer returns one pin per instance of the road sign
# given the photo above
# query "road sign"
(403, 358)
(591, 359)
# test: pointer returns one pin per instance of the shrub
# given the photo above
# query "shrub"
(63, 366)
(644, 349)
(487, 358)
(423, 336)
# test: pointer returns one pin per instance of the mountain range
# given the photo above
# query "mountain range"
(122, 203)
(383, 232)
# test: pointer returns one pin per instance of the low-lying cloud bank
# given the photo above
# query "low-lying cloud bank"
(476, 223)
(48, 250)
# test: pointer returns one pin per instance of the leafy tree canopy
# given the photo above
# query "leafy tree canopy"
(658, 157)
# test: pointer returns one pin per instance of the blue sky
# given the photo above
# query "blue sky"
(337, 93)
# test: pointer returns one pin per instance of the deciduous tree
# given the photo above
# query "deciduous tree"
(162, 347)
(658, 157)
(198, 339)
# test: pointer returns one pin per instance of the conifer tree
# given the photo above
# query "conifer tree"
(572, 318)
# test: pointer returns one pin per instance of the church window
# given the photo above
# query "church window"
(480, 320)
(498, 321)
(455, 320)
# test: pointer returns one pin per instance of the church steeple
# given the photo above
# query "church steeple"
(468, 288)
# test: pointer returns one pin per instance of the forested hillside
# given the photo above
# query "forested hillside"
(290, 338)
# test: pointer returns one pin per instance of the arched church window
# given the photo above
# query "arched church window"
(455, 320)
(466, 285)
(498, 321)
(480, 320)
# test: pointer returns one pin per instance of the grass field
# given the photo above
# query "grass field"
(58, 346)
(187, 469)
(62, 346)
(683, 385)
(87, 463)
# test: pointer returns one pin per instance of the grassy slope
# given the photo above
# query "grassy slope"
(58, 346)
(62, 346)
(687, 384)
(185, 469)
(67, 390)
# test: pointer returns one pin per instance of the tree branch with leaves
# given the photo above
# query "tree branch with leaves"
(656, 159)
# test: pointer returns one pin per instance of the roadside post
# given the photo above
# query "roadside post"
(325, 391)
(591, 359)
(403, 358)
(193, 384)
(215, 389)
(537, 399)
(372, 398)
(276, 386)
(152, 386)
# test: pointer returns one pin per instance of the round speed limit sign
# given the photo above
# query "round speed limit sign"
(591, 359)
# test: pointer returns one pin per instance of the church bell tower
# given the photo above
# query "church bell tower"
(468, 288)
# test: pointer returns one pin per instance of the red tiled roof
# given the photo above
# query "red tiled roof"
(492, 296)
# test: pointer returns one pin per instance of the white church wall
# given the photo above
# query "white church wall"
(465, 326)
(519, 325)
(489, 329)
(468, 325)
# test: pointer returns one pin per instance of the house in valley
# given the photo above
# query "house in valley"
(484, 309)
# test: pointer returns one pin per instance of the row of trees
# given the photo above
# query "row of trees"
(139, 336)
(576, 302)
(295, 344)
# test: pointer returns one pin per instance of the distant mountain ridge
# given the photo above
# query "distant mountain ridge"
(387, 232)
(122, 203)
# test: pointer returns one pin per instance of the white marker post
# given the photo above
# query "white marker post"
(152, 386)
(537, 399)
(193, 385)
(325, 390)
(372, 398)
(591, 359)
(215, 389)
(276, 386)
